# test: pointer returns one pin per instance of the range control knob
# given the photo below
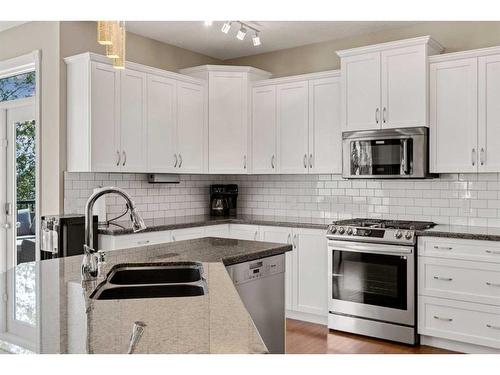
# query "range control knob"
(333, 229)
(341, 230)
(398, 234)
(349, 231)
(408, 235)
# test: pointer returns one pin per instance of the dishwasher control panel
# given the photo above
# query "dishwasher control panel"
(256, 269)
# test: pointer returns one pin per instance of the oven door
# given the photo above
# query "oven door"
(385, 154)
(373, 281)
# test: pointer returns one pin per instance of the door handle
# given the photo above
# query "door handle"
(377, 111)
(118, 159)
(443, 247)
(289, 239)
(384, 112)
(311, 161)
(180, 160)
(272, 162)
(491, 284)
(5, 226)
(294, 241)
(443, 278)
(473, 157)
(493, 252)
(255, 235)
(482, 156)
(175, 160)
(124, 158)
(443, 319)
(305, 161)
(244, 162)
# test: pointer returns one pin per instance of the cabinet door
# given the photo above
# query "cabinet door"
(453, 116)
(264, 129)
(133, 121)
(105, 118)
(325, 133)
(220, 230)
(228, 122)
(489, 113)
(283, 235)
(311, 266)
(361, 92)
(404, 87)
(192, 133)
(162, 126)
(244, 232)
(188, 233)
(292, 118)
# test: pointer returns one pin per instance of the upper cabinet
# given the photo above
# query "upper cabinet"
(139, 119)
(228, 114)
(296, 124)
(386, 85)
(464, 111)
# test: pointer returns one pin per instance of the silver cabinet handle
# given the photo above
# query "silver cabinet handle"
(289, 239)
(384, 111)
(180, 160)
(443, 248)
(473, 157)
(492, 326)
(337, 274)
(118, 159)
(255, 235)
(173, 238)
(124, 158)
(272, 162)
(482, 156)
(493, 252)
(305, 161)
(175, 160)
(443, 319)
(145, 242)
(443, 278)
(311, 161)
(294, 241)
(377, 111)
(244, 162)
(137, 332)
(492, 284)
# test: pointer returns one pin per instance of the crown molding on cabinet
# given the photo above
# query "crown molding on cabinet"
(225, 68)
(465, 54)
(300, 77)
(434, 46)
(89, 56)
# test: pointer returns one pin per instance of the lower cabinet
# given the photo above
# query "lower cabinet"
(188, 233)
(459, 294)
(220, 230)
(244, 232)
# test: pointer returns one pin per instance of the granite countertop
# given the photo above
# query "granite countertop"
(463, 232)
(67, 321)
(170, 223)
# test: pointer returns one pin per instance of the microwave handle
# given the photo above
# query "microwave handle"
(405, 162)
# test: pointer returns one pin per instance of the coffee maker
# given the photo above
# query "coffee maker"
(223, 199)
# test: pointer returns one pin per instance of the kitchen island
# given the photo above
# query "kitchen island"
(68, 321)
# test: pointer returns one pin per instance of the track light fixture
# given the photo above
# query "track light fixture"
(241, 33)
(225, 28)
(256, 39)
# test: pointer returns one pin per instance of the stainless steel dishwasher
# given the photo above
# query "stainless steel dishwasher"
(261, 286)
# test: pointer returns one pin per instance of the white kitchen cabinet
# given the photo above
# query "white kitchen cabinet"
(453, 111)
(292, 105)
(133, 127)
(228, 115)
(109, 242)
(264, 129)
(219, 230)
(244, 232)
(385, 85)
(192, 131)
(325, 133)
(162, 127)
(188, 233)
(464, 115)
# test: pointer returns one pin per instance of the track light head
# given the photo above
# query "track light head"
(256, 39)
(241, 33)
(208, 23)
(225, 28)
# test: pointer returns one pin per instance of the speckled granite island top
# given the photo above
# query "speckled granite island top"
(170, 223)
(462, 232)
(67, 321)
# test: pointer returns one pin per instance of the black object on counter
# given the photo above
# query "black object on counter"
(223, 199)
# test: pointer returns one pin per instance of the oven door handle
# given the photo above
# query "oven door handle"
(370, 248)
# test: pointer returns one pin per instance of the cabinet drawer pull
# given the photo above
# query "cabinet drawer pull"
(493, 252)
(272, 161)
(311, 161)
(144, 242)
(337, 274)
(180, 160)
(473, 157)
(175, 160)
(124, 158)
(305, 160)
(244, 162)
(492, 284)
(443, 248)
(173, 238)
(492, 326)
(255, 235)
(377, 111)
(119, 158)
(443, 278)
(481, 156)
(294, 242)
(289, 239)
(384, 112)
(443, 319)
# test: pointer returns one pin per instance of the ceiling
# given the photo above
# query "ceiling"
(275, 35)
(4, 25)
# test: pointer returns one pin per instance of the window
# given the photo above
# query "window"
(17, 87)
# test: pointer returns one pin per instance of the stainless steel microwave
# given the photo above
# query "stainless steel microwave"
(386, 153)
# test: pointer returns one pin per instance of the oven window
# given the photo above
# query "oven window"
(372, 279)
(378, 157)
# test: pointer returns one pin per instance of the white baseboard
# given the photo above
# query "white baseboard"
(312, 318)
(456, 346)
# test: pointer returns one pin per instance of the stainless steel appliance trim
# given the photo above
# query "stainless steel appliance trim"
(372, 248)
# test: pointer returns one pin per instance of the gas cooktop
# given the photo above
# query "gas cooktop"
(377, 230)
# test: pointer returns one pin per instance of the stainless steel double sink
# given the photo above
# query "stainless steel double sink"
(146, 280)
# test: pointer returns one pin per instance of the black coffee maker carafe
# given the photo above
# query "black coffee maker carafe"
(223, 199)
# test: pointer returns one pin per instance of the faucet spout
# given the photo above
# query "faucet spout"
(90, 261)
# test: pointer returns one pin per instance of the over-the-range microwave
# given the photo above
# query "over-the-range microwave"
(386, 153)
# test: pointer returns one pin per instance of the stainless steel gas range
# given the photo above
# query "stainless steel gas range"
(372, 277)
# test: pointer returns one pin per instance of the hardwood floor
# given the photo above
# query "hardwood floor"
(309, 338)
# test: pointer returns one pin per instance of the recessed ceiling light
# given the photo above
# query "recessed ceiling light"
(208, 23)
(225, 28)
(256, 40)
(241, 33)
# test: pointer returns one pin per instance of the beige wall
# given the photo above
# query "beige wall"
(454, 36)
(19, 41)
